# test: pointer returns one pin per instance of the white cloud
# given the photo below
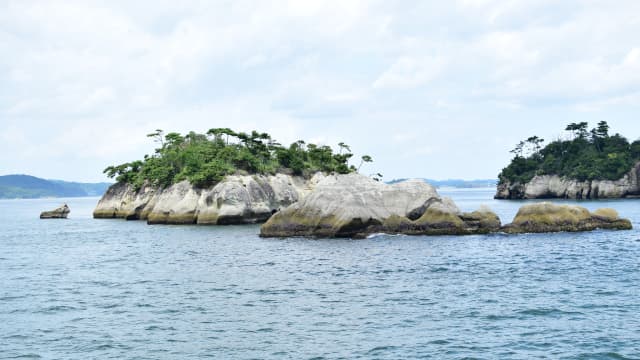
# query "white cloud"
(409, 72)
(90, 78)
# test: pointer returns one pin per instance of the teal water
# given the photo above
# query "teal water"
(99, 289)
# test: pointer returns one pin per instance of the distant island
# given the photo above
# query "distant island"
(31, 187)
(590, 164)
(454, 183)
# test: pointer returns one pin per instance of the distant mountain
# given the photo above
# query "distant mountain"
(456, 183)
(31, 187)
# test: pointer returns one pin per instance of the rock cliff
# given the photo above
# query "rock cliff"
(553, 186)
(235, 200)
(355, 206)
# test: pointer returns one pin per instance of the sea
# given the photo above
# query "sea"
(110, 289)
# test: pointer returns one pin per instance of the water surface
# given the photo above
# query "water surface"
(83, 288)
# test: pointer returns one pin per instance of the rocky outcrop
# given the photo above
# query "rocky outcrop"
(553, 186)
(235, 200)
(355, 206)
(124, 201)
(59, 213)
(548, 217)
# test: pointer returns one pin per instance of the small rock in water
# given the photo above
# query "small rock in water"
(59, 213)
(548, 217)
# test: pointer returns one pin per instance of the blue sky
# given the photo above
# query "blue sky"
(428, 89)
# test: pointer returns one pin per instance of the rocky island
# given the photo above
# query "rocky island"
(547, 217)
(225, 177)
(356, 206)
(219, 178)
(59, 213)
(590, 165)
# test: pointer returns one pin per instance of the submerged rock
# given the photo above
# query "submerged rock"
(354, 205)
(548, 217)
(58, 213)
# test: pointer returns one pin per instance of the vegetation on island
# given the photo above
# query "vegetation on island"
(586, 155)
(205, 159)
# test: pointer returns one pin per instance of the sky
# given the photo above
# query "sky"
(435, 89)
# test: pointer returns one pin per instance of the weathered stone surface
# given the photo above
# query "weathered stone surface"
(548, 217)
(354, 206)
(123, 201)
(177, 204)
(59, 213)
(553, 186)
(238, 199)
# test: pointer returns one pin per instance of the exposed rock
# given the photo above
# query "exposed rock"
(553, 186)
(178, 204)
(355, 206)
(59, 213)
(123, 201)
(238, 199)
(548, 217)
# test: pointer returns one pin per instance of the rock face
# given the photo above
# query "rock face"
(235, 200)
(59, 213)
(355, 206)
(548, 217)
(553, 186)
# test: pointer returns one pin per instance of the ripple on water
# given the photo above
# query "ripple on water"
(113, 289)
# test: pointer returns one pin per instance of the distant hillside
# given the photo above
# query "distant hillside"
(456, 183)
(31, 187)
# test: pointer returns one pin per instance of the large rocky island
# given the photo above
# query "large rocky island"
(589, 165)
(221, 177)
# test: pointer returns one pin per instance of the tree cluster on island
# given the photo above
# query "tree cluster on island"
(205, 159)
(586, 155)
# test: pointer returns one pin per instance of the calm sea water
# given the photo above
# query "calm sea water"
(98, 289)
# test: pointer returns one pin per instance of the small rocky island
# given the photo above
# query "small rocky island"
(591, 164)
(547, 217)
(59, 213)
(355, 206)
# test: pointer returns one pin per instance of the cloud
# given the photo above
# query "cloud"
(84, 81)
(408, 72)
